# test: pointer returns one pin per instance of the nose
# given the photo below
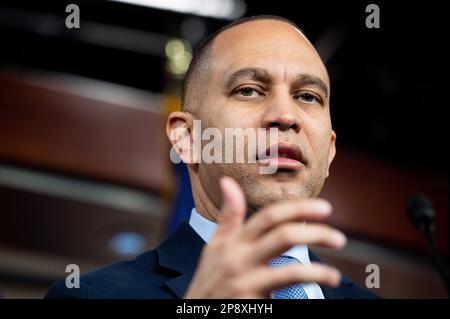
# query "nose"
(282, 113)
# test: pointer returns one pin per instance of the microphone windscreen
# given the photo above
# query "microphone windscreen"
(419, 209)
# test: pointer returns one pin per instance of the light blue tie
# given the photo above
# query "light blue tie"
(294, 291)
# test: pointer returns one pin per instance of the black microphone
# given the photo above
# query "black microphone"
(421, 214)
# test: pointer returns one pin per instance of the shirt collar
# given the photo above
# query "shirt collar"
(206, 229)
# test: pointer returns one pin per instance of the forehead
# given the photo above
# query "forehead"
(274, 45)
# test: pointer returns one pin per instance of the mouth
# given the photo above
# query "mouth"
(288, 157)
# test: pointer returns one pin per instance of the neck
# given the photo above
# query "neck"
(203, 203)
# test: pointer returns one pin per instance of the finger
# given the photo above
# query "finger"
(273, 215)
(265, 280)
(284, 237)
(233, 206)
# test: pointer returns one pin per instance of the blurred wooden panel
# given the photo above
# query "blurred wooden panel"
(369, 198)
(45, 126)
(73, 228)
(402, 274)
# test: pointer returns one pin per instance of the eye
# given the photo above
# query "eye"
(247, 92)
(309, 98)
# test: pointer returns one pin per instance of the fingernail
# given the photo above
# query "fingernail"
(338, 277)
(339, 238)
(223, 181)
(323, 205)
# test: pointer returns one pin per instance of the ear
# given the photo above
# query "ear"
(332, 151)
(179, 131)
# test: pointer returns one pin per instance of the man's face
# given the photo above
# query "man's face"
(265, 74)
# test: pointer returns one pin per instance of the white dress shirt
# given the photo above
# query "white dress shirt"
(206, 229)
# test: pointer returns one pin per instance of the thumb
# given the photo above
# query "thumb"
(233, 206)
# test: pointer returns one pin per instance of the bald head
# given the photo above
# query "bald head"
(198, 75)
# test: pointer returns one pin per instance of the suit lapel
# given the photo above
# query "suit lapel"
(335, 293)
(180, 253)
(340, 292)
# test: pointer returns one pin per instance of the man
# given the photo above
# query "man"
(257, 73)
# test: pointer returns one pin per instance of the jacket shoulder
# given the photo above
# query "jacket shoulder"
(354, 291)
(137, 278)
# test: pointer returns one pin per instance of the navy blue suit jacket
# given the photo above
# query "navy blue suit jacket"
(164, 273)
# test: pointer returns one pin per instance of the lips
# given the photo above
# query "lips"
(288, 156)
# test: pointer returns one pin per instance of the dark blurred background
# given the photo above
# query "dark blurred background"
(85, 176)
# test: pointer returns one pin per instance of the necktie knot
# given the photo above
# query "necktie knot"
(295, 291)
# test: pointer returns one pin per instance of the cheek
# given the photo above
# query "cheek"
(319, 137)
(222, 112)
(233, 119)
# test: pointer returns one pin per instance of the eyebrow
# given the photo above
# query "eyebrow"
(308, 79)
(263, 76)
(255, 74)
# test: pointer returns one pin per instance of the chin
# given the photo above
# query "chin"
(260, 197)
